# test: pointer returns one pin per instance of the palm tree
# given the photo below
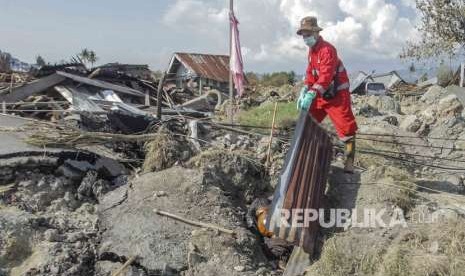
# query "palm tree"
(84, 55)
(92, 58)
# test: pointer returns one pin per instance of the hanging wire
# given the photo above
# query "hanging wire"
(412, 161)
(358, 134)
(418, 155)
(409, 144)
(410, 137)
(446, 194)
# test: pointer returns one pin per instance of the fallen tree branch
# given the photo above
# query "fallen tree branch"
(195, 223)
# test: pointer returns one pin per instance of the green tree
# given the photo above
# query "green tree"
(291, 78)
(278, 79)
(252, 78)
(156, 75)
(84, 55)
(40, 61)
(92, 58)
(441, 29)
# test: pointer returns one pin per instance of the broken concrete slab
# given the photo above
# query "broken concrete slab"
(384, 104)
(410, 123)
(110, 168)
(13, 141)
(107, 162)
(160, 241)
(433, 93)
(32, 88)
(450, 106)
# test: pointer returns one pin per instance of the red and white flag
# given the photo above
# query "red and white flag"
(236, 64)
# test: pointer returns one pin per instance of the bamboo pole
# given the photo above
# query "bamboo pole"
(271, 135)
(462, 74)
(231, 87)
(195, 223)
(160, 90)
(11, 82)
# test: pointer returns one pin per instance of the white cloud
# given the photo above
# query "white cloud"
(409, 3)
(195, 15)
(362, 30)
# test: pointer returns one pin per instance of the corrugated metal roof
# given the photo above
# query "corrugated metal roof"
(302, 184)
(388, 79)
(214, 67)
(102, 84)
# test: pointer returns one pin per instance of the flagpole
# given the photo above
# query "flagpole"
(231, 87)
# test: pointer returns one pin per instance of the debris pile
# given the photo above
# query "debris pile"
(94, 180)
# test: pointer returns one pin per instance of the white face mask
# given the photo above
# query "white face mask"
(310, 41)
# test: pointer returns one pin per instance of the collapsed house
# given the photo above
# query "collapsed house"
(389, 80)
(63, 91)
(199, 72)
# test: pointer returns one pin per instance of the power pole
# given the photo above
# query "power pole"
(231, 86)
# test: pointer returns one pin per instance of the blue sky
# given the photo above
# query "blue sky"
(369, 34)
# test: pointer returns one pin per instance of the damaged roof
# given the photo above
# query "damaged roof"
(214, 67)
(45, 83)
(120, 66)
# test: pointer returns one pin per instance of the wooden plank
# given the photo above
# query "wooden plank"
(159, 96)
(103, 84)
(462, 74)
(32, 88)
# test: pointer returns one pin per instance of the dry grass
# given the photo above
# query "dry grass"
(205, 157)
(46, 136)
(430, 250)
(343, 256)
(161, 153)
(436, 250)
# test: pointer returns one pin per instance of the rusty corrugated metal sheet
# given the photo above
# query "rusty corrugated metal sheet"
(214, 67)
(302, 183)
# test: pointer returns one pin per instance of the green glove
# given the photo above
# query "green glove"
(303, 91)
(306, 101)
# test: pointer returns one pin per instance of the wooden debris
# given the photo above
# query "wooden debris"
(271, 135)
(125, 265)
(195, 223)
(7, 188)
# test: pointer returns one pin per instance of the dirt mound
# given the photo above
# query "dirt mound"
(162, 242)
(238, 172)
